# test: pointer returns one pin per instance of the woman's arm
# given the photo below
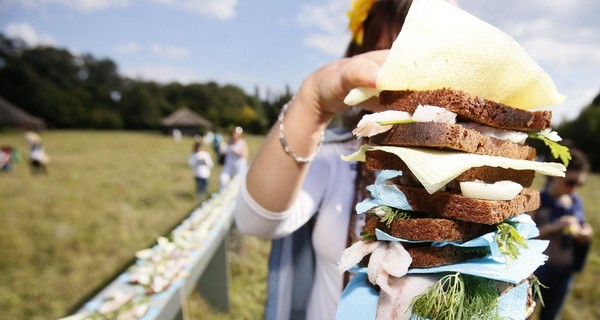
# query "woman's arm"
(274, 178)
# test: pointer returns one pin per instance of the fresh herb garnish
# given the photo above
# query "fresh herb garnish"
(367, 236)
(392, 122)
(388, 214)
(509, 241)
(550, 139)
(457, 296)
(535, 284)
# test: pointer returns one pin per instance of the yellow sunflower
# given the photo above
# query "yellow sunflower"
(358, 14)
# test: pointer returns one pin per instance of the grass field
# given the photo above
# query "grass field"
(110, 194)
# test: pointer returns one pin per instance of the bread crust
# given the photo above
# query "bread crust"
(427, 257)
(428, 229)
(454, 206)
(453, 137)
(381, 160)
(469, 107)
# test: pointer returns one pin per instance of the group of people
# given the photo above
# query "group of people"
(235, 160)
(299, 192)
(38, 158)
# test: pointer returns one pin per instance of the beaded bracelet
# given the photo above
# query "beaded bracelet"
(286, 147)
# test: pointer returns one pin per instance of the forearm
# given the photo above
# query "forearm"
(274, 178)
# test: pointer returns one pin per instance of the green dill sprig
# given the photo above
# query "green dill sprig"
(388, 214)
(510, 241)
(535, 284)
(558, 150)
(392, 122)
(367, 236)
(457, 296)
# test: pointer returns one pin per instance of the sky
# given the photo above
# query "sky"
(271, 45)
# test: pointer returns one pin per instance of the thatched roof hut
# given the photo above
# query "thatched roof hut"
(185, 120)
(12, 116)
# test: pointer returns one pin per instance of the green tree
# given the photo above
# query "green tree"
(584, 131)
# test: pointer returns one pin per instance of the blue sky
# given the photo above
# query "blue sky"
(269, 44)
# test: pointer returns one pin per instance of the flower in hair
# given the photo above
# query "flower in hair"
(358, 14)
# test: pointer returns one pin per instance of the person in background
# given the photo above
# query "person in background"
(561, 220)
(37, 154)
(216, 144)
(6, 158)
(298, 191)
(176, 135)
(236, 157)
(201, 162)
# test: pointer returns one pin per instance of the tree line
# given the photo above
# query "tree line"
(82, 91)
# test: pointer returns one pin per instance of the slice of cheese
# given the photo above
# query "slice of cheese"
(441, 46)
(435, 168)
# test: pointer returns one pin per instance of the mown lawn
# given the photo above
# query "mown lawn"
(110, 194)
(107, 195)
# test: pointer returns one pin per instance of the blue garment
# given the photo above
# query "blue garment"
(292, 259)
(292, 263)
(559, 278)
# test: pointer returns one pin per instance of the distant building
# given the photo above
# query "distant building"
(187, 121)
(13, 117)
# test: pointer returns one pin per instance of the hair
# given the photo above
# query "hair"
(579, 161)
(386, 18)
(196, 146)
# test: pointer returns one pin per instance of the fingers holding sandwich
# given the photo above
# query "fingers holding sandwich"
(328, 86)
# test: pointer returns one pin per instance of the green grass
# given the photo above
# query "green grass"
(107, 195)
(110, 194)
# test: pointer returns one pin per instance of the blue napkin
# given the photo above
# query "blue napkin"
(359, 300)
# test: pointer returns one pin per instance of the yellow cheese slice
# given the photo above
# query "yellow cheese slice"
(441, 46)
(435, 168)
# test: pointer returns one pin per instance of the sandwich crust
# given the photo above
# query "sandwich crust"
(470, 107)
(453, 137)
(428, 229)
(454, 206)
(381, 160)
(427, 257)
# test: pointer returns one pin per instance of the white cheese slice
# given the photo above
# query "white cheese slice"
(435, 168)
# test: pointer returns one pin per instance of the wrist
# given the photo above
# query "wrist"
(310, 98)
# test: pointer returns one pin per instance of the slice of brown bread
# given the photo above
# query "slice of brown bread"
(381, 160)
(427, 257)
(469, 107)
(453, 137)
(454, 206)
(428, 229)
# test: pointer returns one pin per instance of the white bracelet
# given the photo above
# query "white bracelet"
(286, 147)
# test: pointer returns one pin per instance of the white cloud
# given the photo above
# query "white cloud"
(169, 51)
(564, 54)
(28, 34)
(127, 48)
(222, 9)
(79, 5)
(161, 73)
(328, 26)
(558, 44)
(332, 44)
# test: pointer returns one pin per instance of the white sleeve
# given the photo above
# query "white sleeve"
(252, 218)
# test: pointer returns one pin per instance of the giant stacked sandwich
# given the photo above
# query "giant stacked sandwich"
(445, 233)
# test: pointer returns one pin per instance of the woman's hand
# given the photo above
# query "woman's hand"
(326, 88)
(275, 179)
(585, 235)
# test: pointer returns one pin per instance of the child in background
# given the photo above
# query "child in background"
(201, 162)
